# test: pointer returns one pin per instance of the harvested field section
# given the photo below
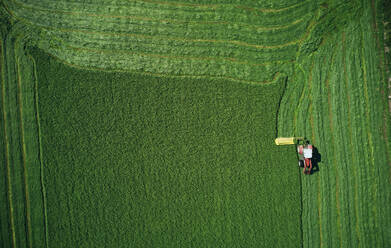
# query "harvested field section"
(233, 41)
(24, 218)
(340, 107)
(138, 119)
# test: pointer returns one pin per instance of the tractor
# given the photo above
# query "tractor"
(304, 151)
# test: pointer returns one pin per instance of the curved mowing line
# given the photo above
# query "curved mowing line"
(233, 60)
(205, 6)
(143, 36)
(25, 181)
(238, 43)
(43, 189)
(330, 114)
(351, 151)
(301, 96)
(78, 13)
(144, 18)
(9, 193)
(92, 68)
(214, 6)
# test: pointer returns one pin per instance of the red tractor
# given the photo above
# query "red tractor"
(305, 155)
(304, 151)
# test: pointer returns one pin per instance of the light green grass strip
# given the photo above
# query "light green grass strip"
(25, 196)
(343, 119)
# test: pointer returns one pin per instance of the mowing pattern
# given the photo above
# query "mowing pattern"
(335, 95)
(339, 97)
(249, 41)
(23, 216)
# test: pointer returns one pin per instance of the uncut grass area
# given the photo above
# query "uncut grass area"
(141, 161)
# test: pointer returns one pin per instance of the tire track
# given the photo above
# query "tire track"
(8, 171)
(326, 181)
(140, 58)
(25, 181)
(167, 38)
(333, 145)
(219, 5)
(313, 141)
(43, 189)
(350, 145)
(144, 18)
(235, 37)
(367, 124)
(323, 182)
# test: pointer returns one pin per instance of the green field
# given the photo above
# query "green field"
(151, 123)
(155, 162)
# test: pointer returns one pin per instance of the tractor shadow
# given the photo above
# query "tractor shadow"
(316, 159)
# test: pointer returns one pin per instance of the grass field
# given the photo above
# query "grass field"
(189, 95)
(339, 96)
(152, 162)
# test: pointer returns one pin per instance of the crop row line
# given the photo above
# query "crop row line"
(367, 118)
(134, 40)
(380, 55)
(313, 140)
(246, 37)
(350, 134)
(40, 153)
(323, 181)
(320, 141)
(8, 170)
(17, 172)
(115, 61)
(309, 100)
(204, 52)
(300, 101)
(176, 3)
(145, 18)
(187, 6)
(233, 60)
(343, 151)
(333, 145)
(19, 129)
(25, 181)
(95, 68)
(233, 42)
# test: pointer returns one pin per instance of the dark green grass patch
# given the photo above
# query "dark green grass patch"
(141, 161)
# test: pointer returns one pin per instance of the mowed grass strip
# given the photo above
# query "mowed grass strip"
(22, 219)
(142, 161)
(230, 41)
(342, 110)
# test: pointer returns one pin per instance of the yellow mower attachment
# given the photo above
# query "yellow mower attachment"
(287, 141)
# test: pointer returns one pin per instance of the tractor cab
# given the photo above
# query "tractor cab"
(304, 153)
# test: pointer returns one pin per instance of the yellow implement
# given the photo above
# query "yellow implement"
(287, 141)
